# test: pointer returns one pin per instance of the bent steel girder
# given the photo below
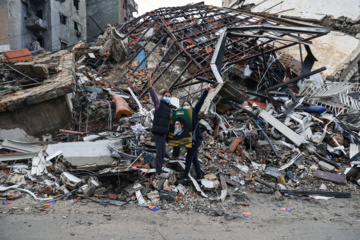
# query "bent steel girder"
(195, 30)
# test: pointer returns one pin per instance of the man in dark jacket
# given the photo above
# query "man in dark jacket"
(191, 156)
(161, 123)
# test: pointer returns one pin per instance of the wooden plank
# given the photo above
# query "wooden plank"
(333, 177)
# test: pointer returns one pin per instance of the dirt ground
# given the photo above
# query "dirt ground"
(308, 219)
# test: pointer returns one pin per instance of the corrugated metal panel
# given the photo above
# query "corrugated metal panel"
(354, 149)
(20, 55)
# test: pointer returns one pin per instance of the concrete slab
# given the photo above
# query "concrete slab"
(332, 51)
(84, 154)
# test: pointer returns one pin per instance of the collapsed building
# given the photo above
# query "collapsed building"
(270, 123)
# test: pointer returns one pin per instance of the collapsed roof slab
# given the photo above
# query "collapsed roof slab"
(58, 85)
(333, 51)
(84, 154)
(192, 32)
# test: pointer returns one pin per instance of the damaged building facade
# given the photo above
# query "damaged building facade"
(36, 102)
(277, 120)
(50, 25)
(101, 13)
(57, 24)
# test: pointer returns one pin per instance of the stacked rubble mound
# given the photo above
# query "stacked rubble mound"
(270, 124)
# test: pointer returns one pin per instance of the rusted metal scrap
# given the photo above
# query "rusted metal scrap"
(192, 32)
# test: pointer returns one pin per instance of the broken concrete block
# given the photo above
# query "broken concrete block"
(279, 196)
(100, 191)
(33, 70)
(243, 168)
(94, 182)
(158, 184)
(136, 186)
(207, 184)
(154, 196)
(210, 182)
(325, 166)
(89, 155)
(182, 189)
(63, 190)
(89, 190)
(301, 167)
(313, 167)
(167, 186)
(245, 155)
(14, 180)
(71, 181)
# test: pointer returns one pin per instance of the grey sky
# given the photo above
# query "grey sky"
(148, 5)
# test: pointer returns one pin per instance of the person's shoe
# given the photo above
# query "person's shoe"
(183, 181)
(162, 175)
(199, 181)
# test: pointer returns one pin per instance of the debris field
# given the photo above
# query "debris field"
(271, 124)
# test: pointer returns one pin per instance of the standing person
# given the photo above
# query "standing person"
(161, 123)
(191, 156)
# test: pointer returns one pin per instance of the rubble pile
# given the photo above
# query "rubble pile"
(271, 124)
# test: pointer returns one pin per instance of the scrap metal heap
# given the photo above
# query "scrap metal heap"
(190, 34)
(293, 133)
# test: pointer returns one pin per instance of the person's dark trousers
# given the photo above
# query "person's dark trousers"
(160, 142)
(192, 157)
(176, 152)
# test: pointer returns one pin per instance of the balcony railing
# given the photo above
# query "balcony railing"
(38, 1)
(36, 23)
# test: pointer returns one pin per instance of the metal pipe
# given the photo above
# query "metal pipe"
(297, 79)
(97, 24)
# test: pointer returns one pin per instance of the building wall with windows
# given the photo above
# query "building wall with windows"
(26, 23)
(68, 23)
(48, 24)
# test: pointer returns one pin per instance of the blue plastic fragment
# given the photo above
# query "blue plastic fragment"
(315, 109)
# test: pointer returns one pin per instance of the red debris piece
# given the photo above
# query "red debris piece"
(19, 55)
(234, 144)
